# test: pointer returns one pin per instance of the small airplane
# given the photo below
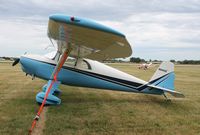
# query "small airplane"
(89, 43)
(145, 65)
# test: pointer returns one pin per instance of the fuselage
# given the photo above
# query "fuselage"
(89, 73)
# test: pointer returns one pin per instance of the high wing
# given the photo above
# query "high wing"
(88, 39)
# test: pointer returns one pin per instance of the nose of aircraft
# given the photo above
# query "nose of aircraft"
(26, 65)
(23, 63)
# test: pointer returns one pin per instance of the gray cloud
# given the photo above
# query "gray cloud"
(97, 8)
(165, 27)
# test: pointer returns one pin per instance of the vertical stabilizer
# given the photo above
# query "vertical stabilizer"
(164, 76)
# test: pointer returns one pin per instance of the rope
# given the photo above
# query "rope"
(64, 57)
(41, 108)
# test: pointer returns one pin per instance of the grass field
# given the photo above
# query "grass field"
(88, 111)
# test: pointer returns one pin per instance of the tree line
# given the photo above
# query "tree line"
(140, 60)
(133, 60)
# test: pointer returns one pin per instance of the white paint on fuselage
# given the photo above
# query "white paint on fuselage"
(103, 69)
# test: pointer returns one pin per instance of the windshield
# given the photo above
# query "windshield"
(50, 55)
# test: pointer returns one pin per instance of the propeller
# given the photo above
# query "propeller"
(16, 62)
(17, 59)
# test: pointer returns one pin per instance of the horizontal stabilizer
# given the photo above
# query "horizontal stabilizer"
(172, 92)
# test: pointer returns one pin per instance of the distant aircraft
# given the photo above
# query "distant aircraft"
(88, 43)
(145, 66)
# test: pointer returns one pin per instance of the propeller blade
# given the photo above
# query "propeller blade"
(16, 62)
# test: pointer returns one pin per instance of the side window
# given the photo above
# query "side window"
(70, 62)
(84, 65)
(80, 64)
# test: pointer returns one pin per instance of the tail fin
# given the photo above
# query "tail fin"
(164, 76)
(163, 79)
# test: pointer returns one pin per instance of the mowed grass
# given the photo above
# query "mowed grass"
(91, 111)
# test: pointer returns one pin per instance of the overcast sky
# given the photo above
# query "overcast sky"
(156, 29)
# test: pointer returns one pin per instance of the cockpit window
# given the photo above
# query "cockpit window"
(70, 62)
(83, 65)
(86, 65)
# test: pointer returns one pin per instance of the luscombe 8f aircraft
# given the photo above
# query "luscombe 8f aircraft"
(89, 43)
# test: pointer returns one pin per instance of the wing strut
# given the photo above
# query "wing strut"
(53, 80)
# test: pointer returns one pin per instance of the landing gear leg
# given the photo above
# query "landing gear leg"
(51, 99)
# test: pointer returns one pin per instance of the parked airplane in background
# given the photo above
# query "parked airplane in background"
(145, 66)
(88, 43)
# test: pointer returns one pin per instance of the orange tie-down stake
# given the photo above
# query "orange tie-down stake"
(49, 87)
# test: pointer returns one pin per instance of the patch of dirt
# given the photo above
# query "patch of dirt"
(40, 125)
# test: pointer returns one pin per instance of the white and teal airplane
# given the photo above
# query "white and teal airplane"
(89, 43)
